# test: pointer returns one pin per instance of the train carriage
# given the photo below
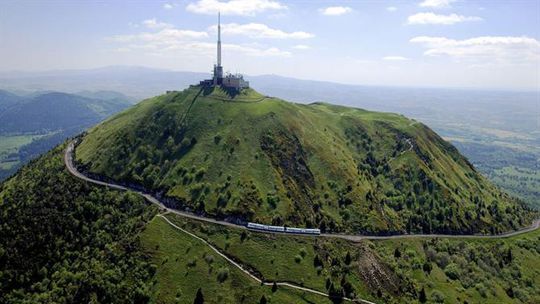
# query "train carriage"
(294, 230)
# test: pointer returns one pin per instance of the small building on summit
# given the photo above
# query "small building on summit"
(234, 81)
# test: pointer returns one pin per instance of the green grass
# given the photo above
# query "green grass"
(480, 263)
(480, 278)
(283, 257)
(185, 264)
(318, 165)
(273, 256)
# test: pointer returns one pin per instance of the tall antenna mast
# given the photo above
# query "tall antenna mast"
(229, 81)
(219, 41)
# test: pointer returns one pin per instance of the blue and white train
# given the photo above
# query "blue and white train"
(282, 229)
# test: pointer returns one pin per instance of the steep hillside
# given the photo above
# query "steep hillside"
(256, 158)
(382, 271)
(65, 241)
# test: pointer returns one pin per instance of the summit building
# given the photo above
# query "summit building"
(234, 81)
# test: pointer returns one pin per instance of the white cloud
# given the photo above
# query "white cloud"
(301, 47)
(493, 49)
(164, 36)
(335, 10)
(234, 7)
(154, 24)
(432, 18)
(395, 58)
(259, 30)
(391, 8)
(169, 40)
(436, 3)
(168, 6)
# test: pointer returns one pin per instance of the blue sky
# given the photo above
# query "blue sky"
(446, 43)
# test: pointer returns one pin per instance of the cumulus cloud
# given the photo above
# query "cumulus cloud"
(432, 18)
(259, 30)
(436, 3)
(395, 58)
(166, 39)
(234, 7)
(168, 6)
(507, 49)
(335, 10)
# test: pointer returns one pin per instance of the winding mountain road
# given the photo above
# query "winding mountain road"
(68, 160)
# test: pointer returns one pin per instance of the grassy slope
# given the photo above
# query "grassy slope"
(483, 276)
(183, 265)
(268, 160)
(95, 251)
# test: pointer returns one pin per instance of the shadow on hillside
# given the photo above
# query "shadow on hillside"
(231, 92)
(207, 90)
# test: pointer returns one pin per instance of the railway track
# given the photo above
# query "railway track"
(68, 160)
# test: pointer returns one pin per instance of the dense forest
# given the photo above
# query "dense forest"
(65, 241)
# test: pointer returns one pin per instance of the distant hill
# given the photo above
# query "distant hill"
(106, 95)
(54, 116)
(56, 111)
(139, 82)
(257, 158)
(7, 99)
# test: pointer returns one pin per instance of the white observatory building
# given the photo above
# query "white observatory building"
(235, 81)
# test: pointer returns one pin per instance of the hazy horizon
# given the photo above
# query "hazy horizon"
(420, 86)
(423, 43)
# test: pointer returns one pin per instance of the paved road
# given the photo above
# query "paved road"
(68, 159)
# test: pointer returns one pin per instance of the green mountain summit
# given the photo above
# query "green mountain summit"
(245, 156)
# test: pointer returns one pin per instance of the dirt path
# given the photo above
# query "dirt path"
(68, 160)
(251, 275)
